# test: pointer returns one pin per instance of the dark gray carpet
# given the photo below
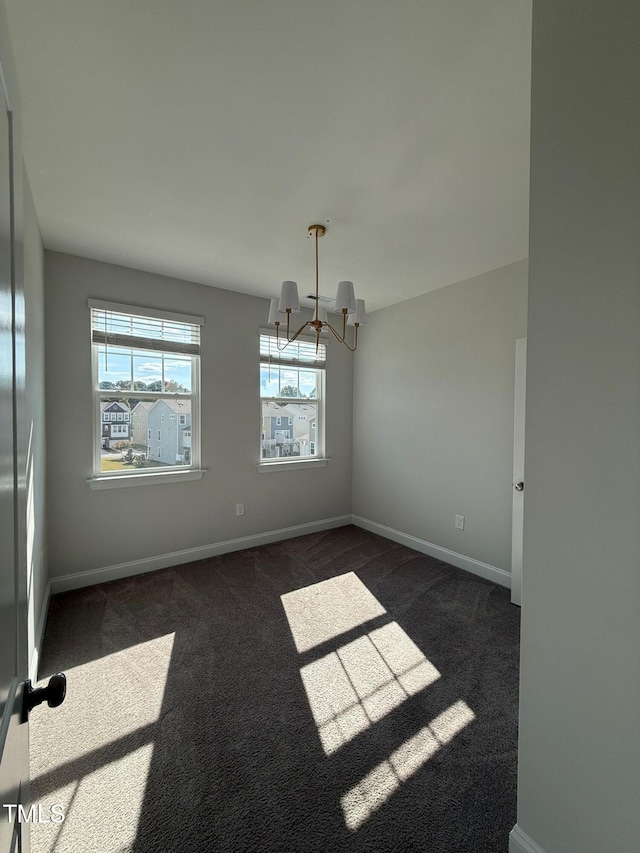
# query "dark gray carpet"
(231, 705)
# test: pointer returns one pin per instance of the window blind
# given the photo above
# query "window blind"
(300, 352)
(123, 329)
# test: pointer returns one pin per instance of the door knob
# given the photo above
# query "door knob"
(53, 693)
(520, 487)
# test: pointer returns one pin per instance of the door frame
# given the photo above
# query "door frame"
(517, 501)
(14, 737)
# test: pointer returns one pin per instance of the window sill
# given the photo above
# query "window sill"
(99, 483)
(293, 465)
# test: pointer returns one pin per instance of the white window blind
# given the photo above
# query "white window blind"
(123, 328)
(300, 352)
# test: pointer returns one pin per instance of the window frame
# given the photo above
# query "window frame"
(319, 459)
(175, 473)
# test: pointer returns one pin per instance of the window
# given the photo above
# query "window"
(143, 361)
(159, 436)
(183, 419)
(291, 394)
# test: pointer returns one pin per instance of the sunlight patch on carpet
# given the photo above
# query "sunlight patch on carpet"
(98, 771)
(354, 686)
(111, 796)
(361, 682)
(365, 798)
(127, 705)
(325, 610)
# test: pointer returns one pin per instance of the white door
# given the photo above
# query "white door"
(517, 510)
(14, 755)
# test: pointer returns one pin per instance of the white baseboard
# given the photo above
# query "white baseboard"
(476, 567)
(520, 842)
(39, 635)
(163, 561)
(174, 558)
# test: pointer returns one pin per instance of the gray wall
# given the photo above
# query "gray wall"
(35, 419)
(579, 753)
(96, 529)
(433, 414)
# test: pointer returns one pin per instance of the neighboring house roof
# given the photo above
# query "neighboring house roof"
(143, 405)
(104, 406)
(274, 410)
(180, 407)
(305, 409)
(288, 410)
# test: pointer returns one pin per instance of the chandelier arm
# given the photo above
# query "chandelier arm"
(355, 340)
(277, 325)
(333, 332)
(343, 340)
(291, 340)
(299, 332)
(280, 348)
(355, 345)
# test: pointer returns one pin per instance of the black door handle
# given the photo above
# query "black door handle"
(520, 487)
(53, 693)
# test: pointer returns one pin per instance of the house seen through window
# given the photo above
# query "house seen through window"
(291, 399)
(146, 382)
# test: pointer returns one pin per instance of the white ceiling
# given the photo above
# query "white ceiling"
(200, 138)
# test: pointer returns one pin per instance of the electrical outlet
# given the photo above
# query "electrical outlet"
(239, 509)
(460, 522)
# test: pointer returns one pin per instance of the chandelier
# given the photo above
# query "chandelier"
(352, 309)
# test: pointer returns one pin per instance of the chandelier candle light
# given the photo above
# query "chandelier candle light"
(352, 309)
